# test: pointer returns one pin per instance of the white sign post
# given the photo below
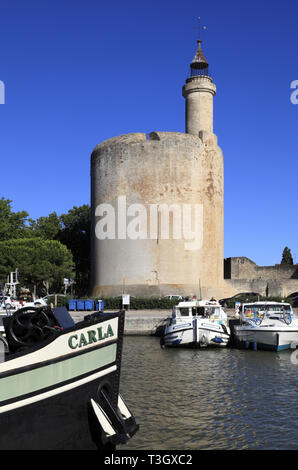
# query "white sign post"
(125, 301)
(66, 283)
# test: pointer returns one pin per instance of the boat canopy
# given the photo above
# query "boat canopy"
(272, 307)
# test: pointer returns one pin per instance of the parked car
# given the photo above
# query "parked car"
(293, 299)
(292, 296)
(174, 297)
(242, 297)
(8, 302)
(35, 303)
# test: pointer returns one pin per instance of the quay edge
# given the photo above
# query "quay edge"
(145, 322)
(137, 322)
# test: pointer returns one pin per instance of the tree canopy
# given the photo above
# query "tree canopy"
(287, 258)
(75, 234)
(12, 224)
(46, 227)
(37, 260)
(71, 234)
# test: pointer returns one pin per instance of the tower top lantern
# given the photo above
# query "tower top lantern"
(199, 64)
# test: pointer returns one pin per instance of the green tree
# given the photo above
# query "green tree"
(75, 234)
(71, 229)
(37, 260)
(287, 258)
(12, 224)
(46, 227)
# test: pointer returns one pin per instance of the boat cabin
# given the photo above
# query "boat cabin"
(201, 308)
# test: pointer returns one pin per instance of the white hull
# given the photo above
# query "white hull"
(268, 337)
(198, 332)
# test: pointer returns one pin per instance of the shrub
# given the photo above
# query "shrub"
(115, 303)
(62, 300)
(140, 303)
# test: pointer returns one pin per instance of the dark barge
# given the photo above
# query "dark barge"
(59, 381)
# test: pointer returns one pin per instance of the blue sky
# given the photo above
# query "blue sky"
(77, 73)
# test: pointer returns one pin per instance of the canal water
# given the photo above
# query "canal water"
(209, 399)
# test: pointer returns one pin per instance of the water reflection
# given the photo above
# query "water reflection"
(187, 399)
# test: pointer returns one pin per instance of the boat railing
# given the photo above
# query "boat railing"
(282, 314)
(287, 317)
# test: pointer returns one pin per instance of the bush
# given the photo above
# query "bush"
(62, 300)
(115, 303)
(140, 303)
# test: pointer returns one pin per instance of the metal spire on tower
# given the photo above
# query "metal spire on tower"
(199, 64)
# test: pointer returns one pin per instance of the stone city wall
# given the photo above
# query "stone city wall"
(243, 275)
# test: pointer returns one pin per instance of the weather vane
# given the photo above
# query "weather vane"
(204, 28)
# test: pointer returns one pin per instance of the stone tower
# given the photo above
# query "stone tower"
(157, 204)
(198, 92)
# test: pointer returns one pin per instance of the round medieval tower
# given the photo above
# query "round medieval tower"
(157, 204)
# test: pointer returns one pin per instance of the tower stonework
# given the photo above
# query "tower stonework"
(198, 93)
(164, 194)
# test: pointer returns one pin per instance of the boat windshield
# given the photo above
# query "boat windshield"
(274, 308)
(184, 311)
(201, 311)
(212, 311)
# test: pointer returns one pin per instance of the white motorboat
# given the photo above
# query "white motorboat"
(267, 325)
(197, 324)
